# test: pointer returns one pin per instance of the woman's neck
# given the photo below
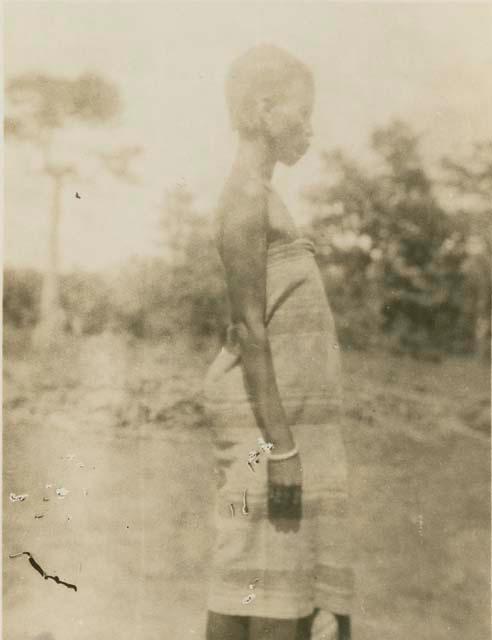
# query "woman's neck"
(255, 158)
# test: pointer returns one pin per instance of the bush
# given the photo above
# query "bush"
(84, 298)
(21, 297)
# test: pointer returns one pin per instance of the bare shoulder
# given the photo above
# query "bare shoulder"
(242, 206)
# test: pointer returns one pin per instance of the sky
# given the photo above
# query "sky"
(429, 64)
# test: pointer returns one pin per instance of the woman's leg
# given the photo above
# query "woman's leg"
(344, 632)
(222, 627)
(305, 625)
(272, 629)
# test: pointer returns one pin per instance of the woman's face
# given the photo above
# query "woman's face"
(288, 124)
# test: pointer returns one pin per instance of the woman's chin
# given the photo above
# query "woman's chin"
(294, 157)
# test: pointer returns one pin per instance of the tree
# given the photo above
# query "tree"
(471, 183)
(177, 219)
(196, 289)
(386, 233)
(342, 207)
(415, 228)
(40, 106)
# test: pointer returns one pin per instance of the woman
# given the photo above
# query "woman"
(281, 552)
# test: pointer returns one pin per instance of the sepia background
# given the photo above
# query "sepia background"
(117, 143)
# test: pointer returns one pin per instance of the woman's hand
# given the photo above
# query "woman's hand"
(285, 493)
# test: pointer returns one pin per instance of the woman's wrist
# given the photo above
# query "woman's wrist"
(282, 445)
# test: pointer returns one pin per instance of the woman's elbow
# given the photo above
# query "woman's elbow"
(252, 335)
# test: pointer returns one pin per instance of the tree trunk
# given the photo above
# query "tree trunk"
(51, 322)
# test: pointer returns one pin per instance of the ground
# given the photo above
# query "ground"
(118, 423)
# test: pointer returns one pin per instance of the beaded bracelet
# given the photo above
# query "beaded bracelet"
(278, 457)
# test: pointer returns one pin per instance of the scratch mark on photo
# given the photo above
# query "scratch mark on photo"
(41, 571)
(245, 509)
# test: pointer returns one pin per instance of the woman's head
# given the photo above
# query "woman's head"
(270, 94)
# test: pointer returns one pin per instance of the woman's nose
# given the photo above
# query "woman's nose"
(309, 130)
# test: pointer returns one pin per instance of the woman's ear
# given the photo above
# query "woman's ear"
(264, 109)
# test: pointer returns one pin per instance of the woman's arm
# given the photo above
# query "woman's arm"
(244, 254)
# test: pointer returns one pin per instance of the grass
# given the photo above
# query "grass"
(135, 531)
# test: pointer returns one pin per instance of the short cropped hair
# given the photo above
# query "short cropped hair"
(264, 72)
